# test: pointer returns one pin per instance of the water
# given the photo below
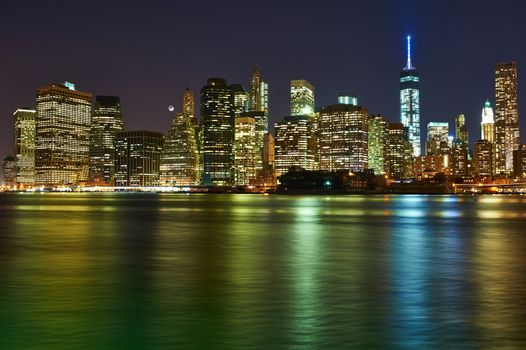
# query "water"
(154, 271)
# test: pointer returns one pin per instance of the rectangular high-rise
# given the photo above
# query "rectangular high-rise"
(24, 146)
(137, 158)
(106, 122)
(377, 143)
(301, 98)
(63, 123)
(293, 137)
(246, 152)
(506, 117)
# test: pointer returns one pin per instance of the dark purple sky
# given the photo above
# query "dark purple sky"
(147, 52)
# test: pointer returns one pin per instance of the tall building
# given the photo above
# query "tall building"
(377, 143)
(106, 122)
(137, 158)
(487, 126)
(217, 113)
(461, 130)
(343, 138)
(63, 123)
(245, 151)
(268, 151)
(437, 132)
(410, 101)
(188, 102)
(519, 162)
(483, 158)
(460, 159)
(24, 146)
(180, 158)
(258, 95)
(347, 98)
(301, 98)
(293, 136)
(240, 99)
(9, 171)
(506, 116)
(395, 157)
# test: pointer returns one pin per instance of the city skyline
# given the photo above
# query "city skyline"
(144, 109)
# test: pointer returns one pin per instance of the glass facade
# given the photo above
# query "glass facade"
(437, 132)
(301, 98)
(410, 102)
(24, 146)
(507, 138)
(246, 152)
(217, 112)
(377, 143)
(293, 137)
(63, 123)
(106, 122)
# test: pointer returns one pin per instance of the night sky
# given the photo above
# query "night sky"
(147, 52)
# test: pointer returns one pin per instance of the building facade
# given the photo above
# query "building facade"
(137, 158)
(506, 117)
(483, 159)
(377, 143)
(437, 132)
(24, 147)
(217, 113)
(245, 151)
(301, 98)
(343, 138)
(410, 101)
(293, 137)
(62, 133)
(487, 125)
(106, 122)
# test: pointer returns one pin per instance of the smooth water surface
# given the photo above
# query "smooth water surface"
(173, 271)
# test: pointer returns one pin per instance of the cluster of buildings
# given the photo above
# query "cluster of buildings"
(73, 139)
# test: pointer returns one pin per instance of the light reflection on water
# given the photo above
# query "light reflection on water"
(248, 271)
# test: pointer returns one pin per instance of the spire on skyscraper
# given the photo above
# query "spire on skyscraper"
(409, 65)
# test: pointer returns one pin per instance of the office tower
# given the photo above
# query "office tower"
(261, 120)
(245, 151)
(292, 140)
(106, 122)
(395, 151)
(137, 158)
(9, 171)
(459, 158)
(342, 131)
(437, 132)
(519, 162)
(348, 98)
(63, 123)
(217, 113)
(188, 102)
(180, 158)
(268, 151)
(377, 143)
(410, 101)
(461, 130)
(506, 116)
(24, 146)
(483, 158)
(258, 95)
(487, 126)
(301, 98)
(240, 99)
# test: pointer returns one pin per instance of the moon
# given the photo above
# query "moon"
(171, 108)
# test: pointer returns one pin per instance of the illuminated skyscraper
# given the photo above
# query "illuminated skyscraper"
(258, 95)
(106, 122)
(377, 142)
(343, 138)
(293, 136)
(410, 101)
(137, 158)
(240, 99)
(180, 158)
(9, 171)
(519, 162)
(24, 146)
(348, 98)
(188, 102)
(506, 116)
(483, 158)
(301, 98)
(245, 151)
(461, 130)
(437, 132)
(487, 126)
(217, 113)
(395, 151)
(63, 124)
